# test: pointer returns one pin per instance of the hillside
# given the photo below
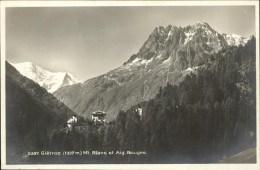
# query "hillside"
(32, 116)
(210, 115)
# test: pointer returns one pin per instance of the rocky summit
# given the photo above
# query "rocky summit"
(166, 57)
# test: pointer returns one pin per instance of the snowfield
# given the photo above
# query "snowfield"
(49, 80)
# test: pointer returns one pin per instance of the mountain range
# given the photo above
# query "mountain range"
(166, 57)
(49, 80)
(187, 96)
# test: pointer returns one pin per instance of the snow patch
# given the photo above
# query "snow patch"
(146, 61)
(189, 35)
(135, 60)
(189, 69)
(168, 60)
(169, 35)
(159, 56)
(208, 31)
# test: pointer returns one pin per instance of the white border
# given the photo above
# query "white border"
(123, 3)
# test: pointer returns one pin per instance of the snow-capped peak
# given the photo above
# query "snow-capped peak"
(235, 40)
(200, 28)
(49, 80)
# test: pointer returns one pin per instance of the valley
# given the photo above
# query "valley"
(187, 96)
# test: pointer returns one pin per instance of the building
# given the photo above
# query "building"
(73, 120)
(139, 111)
(98, 116)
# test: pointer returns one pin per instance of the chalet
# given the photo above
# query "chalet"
(139, 111)
(98, 116)
(71, 121)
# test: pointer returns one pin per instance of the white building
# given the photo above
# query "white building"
(71, 121)
(139, 111)
(98, 116)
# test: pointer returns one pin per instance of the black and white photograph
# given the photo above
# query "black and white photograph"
(130, 84)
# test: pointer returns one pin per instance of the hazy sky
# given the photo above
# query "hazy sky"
(89, 41)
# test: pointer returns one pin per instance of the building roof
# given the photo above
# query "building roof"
(98, 113)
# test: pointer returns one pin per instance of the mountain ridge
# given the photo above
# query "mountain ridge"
(167, 56)
(210, 115)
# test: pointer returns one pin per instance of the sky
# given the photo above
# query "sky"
(90, 41)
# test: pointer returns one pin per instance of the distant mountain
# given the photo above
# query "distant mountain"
(32, 116)
(235, 40)
(48, 80)
(166, 57)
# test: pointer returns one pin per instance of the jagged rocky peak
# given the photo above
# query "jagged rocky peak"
(167, 41)
(202, 24)
(202, 33)
(167, 32)
(202, 28)
(156, 42)
(171, 41)
(163, 31)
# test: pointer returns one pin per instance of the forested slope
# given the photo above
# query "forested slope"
(209, 115)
